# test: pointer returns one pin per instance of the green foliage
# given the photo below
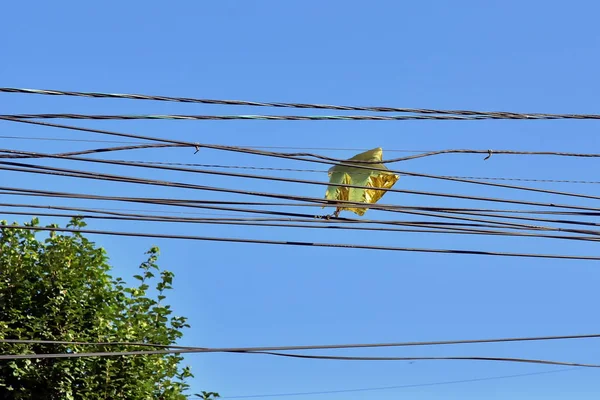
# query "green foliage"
(207, 395)
(60, 289)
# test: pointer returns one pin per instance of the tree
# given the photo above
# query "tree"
(59, 288)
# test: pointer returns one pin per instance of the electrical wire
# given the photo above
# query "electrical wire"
(288, 156)
(332, 149)
(490, 114)
(290, 355)
(230, 149)
(197, 204)
(117, 178)
(41, 155)
(169, 166)
(291, 180)
(337, 160)
(94, 151)
(314, 347)
(307, 117)
(308, 217)
(255, 147)
(322, 171)
(463, 227)
(298, 204)
(304, 244)
(290, 223)
(415, 385)
(323, 223)
(276, 351)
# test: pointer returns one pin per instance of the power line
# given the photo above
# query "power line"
(450, 358)
(315, 347)
(489, 114)
(166, 145)
(251, 147)
(338, 149)
(129, 163)
(164, 201)
(290, 156)
(184, 143)
(304, 244)
(250, 221)
(338, 160)
(117, 178)
(252, 167)
(312, 218)
(190, 203)
(289, 223)
(227, 148)
(396, 386)
(461, 227)
(283, 179)
(307, 117)
(290, 355)
(109, 177)
(100, 150)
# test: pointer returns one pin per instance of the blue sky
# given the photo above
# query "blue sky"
(498, 55)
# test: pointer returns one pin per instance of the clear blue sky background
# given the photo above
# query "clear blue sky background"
(536, 56)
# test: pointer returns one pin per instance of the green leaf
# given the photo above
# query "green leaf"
(60, 288)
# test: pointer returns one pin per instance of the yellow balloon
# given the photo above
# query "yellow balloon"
(348, 175)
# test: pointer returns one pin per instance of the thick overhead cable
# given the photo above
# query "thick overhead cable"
(218, 205)
(117, 178)
(100, 150)
(304, 244)
(473, 151)
(305, 117)
(491, 114)
(213, 205)
(323, 171)
(314, 347)
(280, 155)
(250, 151)
(291, 355)
(307, 218)
(438, 228)
(276, 351)
(406, 209)
(170, 201)
(29, 168)
(292, 180)
(489, 152)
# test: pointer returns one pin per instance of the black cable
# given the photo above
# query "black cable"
(98, 176)
(414, 385)
(314, 347)
(263, 177)
(302, 159)
(196, 117)
(424, 152)
(291, 355)
(298, 204)
(94, 151)
(87, 175)
(307, 217)
(304, 244)
(491, 114)
(290, 223)
(197, 204)
(322, 171)
(282, 179)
